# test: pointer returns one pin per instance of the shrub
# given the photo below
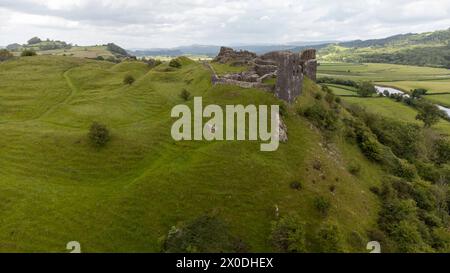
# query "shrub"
(288, 234)
(5, 55)
(98, 134)
(318, 96)
(175, 63)
(338, 81)
(317, 165)
(375, 190)
(337, 99)
(283, 110)
(367, 89)
(322, 204)
(100, 58)
(354, 168)
(205, 234)
(405, 170)
(329, 239)
(128, 80)
(28, 53)
(429, 114)
(441, 149)
(296, 185)
(185, 95)
(321, 117)
(408, 238)
(34, 40)
(418, 93)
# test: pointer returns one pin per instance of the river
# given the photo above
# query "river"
(381, 89)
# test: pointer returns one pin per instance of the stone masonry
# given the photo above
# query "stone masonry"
(289, 68)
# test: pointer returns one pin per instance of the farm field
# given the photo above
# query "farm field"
(381, 72)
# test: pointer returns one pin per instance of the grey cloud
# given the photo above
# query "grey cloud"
(139, 23)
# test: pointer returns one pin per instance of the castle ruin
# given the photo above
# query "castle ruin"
(289, 68)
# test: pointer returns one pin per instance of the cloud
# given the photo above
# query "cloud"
(165, 23)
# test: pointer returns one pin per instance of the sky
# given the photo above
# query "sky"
(171, 23)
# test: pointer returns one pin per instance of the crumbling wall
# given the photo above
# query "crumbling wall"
(290, 69)
(289, 76)
(227, 55)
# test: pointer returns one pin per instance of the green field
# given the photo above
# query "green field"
(433, 86)
(394, 110)
(55, 187)
(381, 72)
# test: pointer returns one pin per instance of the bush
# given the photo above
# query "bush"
(128, 80)
(185, 95)
(329, 97)
(337, 99)
(175, 63)
(408, 238)
(441, 151)
(205, 234)
(354, 168)
(28, 53)
(98, 134)
(322, 205)
(321, 117)
(288, 234)
(367, 89)
(428, 113)
(329, 239)
(296, 185)
(5, 55)
(34, 40)
(318, 96)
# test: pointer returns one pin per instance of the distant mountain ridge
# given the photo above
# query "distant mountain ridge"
(424, 49)
(213, 50)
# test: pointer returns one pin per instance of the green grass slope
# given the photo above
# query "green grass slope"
(55, 187)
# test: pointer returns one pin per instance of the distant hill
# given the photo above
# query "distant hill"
(425, 49)
(109, 51)
(213, 50)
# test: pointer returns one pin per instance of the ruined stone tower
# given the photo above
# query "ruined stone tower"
(289, 68)
(289, 76)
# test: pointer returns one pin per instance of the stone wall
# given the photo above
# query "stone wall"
(227, 55)
(289, 76)
(290, 69)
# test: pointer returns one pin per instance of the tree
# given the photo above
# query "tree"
(185, 95)
(367, 89)
(288, 234)
(5, 55)
(322, 205)
(429, 114)
(98, 134)
(329, 239)
(418, 93)
(116, 49)
(128, 80)
(34, 40)
(28, 53)
(175, 63)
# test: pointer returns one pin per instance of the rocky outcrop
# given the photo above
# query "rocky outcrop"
(229, 55)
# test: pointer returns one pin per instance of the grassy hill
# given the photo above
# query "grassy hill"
(56, 187)
(60, 48)
(425, 49)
